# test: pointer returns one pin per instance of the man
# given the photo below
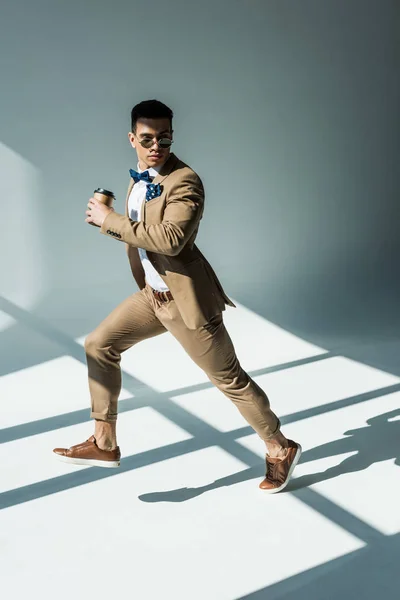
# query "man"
(178, 292)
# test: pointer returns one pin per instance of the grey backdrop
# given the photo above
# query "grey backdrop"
(289, 113)
(287, 110)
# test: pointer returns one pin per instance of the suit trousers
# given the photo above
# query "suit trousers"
(142, 316)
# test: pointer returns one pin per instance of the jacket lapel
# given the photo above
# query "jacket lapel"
(165, 170)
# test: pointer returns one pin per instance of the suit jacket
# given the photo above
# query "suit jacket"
(167, 231)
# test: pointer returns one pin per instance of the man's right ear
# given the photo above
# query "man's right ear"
(131, 139)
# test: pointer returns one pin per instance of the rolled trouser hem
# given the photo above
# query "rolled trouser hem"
(273, 434)
(103, 417)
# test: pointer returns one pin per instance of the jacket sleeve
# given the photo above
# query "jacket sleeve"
(183, 211)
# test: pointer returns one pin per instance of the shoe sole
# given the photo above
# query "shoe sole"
(292, 467)
(108, 464)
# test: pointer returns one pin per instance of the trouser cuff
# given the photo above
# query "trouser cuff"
(103, 417)
(274, 433)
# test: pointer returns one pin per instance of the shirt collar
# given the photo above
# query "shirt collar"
(153, 171)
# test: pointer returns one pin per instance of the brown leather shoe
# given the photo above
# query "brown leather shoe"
(88, 453)
(279, 471)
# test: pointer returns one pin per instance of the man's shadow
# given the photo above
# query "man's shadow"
(377, 442)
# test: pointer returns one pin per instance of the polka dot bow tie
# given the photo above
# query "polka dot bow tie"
(152, 190)
(143, 176)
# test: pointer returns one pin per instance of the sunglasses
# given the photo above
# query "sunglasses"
(161, 142)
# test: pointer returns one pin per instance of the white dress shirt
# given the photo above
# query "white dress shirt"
(135, 202)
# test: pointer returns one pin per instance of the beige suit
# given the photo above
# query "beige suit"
(167, 231)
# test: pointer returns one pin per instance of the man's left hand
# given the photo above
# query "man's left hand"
(97, 212)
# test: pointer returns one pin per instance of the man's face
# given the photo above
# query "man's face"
(149, 129)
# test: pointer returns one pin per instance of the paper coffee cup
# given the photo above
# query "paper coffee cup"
(104, 196)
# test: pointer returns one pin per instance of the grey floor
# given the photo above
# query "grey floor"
(183, 516)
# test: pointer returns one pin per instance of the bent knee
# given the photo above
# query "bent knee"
(93, 342)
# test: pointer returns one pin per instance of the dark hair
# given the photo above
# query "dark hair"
(150, 109)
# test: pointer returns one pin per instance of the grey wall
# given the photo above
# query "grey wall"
(287, 110)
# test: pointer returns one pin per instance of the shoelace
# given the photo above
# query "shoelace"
(270, 471)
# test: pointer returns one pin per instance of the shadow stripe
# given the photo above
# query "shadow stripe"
(226, 440)
(335, 513)
(144, 399)
(310, 498)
